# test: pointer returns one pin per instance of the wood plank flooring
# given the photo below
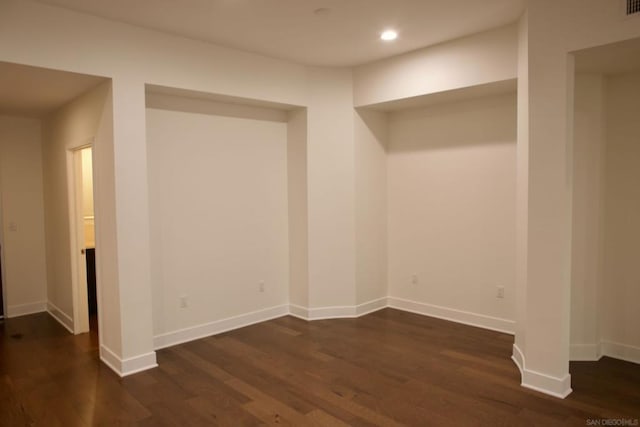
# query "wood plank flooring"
(389, 368)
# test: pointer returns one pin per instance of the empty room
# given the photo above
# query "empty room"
(319, 212)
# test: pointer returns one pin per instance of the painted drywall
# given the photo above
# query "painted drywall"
(219, 217)
(65, 40)
(588, 214)
(36, 34)
(522, 190)
(482, 58)
(451, 206)
(331, 188)
(73, 126)
(554, 29)
(620, 291)
(371, 135)
(132, 57)
(605, 275)
(22, 216)
(298, 210)
(109, 300)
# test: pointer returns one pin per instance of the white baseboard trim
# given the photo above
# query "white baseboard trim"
(25, 309)
(465, 317)
(322, 313)
(129, 366)
(561, 387)
(63, 318)
(219, 326)
(594, 352)
(624, 352)
(547, 384)
(133, 365)
(543, 383)
(337, 312)
(371, 306)
(585, 352)
(518, 358)
(110, 359)
(299, 311)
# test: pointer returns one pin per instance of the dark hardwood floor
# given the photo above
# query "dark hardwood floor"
(388, 368)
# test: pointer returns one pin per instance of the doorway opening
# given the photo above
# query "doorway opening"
(83, 238)
(56, 127)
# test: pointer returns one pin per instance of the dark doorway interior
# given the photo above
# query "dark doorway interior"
(91, 282)
(1, 290)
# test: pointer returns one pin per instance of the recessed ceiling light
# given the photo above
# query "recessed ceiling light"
(323, 11)
(388, 35)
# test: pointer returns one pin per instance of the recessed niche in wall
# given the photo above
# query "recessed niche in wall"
(219, 197)
(606, 201)
(449, 191)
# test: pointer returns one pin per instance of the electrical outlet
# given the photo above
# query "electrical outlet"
(261, 287)
(414, 279)
(184, 301)
(500, 292)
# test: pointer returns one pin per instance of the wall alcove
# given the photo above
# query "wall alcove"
(220, 171)
(447, 187)
(606, 201)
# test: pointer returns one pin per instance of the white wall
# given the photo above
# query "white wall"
(298, 210)
(109, 300)
(72, 126)
(605, 274)
(588, 214)
(478, 59)
(371, 135)
(331, 188)
(59, 38)
(451, 206)
(219, 217)
(40, 35)
(87, 118)
(36, 34)
(22, 215)
(553, 30)
(522, 191)
(621, 286)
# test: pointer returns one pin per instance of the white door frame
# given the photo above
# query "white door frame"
(77, 238)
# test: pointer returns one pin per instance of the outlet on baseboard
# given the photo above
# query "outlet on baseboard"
(184, 301)
(500, 292)
(414, 279)
(261, 286)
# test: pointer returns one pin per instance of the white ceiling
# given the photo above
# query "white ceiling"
(34, 92)
(345, 35)
(613, 58)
